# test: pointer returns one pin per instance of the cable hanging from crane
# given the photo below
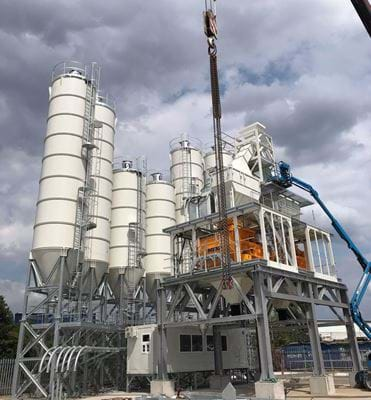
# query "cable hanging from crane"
(211, 31)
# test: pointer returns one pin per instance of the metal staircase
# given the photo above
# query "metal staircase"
(87, 195)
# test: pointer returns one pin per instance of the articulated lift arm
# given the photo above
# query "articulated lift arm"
(285, 179)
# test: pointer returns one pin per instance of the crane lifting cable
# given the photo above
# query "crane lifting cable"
(211, 31)
(363, 8)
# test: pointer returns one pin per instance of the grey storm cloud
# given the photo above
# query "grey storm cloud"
(301, 68)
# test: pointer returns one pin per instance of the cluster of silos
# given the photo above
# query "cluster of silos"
(72, 111)
(128, 214)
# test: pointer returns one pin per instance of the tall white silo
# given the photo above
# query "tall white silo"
(187, 173)
(98, 239)
(63, 166)
(127, 227)
(160, 214)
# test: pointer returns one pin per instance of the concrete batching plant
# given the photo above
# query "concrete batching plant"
(125, 281)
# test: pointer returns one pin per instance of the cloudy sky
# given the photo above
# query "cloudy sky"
(301, 67)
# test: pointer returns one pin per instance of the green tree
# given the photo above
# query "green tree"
(8, 331)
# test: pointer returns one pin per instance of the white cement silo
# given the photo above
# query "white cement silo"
(98, 239)
(63, 170)
(160, 214)
(187, 173)
(127, 194)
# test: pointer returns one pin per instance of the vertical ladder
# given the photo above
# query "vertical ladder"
(187, 193)
(87, 194)
(187, 175)
(93, 194)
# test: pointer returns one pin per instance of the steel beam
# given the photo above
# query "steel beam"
(302, 299)
(211, 321)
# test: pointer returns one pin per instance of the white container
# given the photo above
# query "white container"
(126, 184)
(210, 163)
(187, 175)
(160, 214)
(98, 239)
(62, 172)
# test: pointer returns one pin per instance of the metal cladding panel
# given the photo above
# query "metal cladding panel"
(58, 186)
(98, 239)
(62, 171)
(55, 211)
(65, 124)
(43, 234)
(105, 171)
(69, 85)
(106, 151)
(160, 207)
(75, 105)
(105, 193)
(63, 165)
(210, 163)
(62, 143)
(157, 244)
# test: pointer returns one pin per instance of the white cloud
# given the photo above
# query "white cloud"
(13, 293)
(301, 68)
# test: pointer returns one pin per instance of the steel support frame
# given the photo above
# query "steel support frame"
(192, 300)
(52, 350)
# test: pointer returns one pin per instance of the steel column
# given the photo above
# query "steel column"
(262, 325)
(315, 340)
(351, 334)
(161, 317)
(218, 355)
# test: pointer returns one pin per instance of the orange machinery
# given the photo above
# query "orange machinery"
(208, 247)
(250, 248)
(300, 258)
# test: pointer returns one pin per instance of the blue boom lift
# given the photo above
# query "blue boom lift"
(284, 178)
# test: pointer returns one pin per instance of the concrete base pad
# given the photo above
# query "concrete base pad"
(322, 385)
(162, 387)
(218, 381)
(352, 379)
(269, 390)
